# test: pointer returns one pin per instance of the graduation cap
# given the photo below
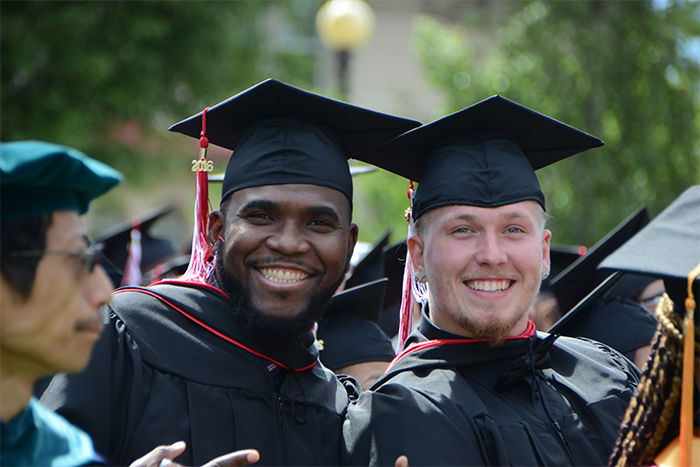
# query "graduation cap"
(117, 244)
(349, 333)
(576, 281)
(371, 266)
(485, 155)
(602, 314)
(37, 177)
(282, 134)
(669, 247)
(394, 264)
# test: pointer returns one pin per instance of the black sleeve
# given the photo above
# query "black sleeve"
(396, 421)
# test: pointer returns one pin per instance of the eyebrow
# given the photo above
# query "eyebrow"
(259, 204)
(472, 218)
(323, 211)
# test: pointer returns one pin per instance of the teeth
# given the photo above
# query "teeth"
(284, 277)
(489, 286)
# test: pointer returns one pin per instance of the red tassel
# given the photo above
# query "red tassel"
(198, 269)
(406, 311)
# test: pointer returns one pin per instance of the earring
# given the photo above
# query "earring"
(545, 273)
(420, 276)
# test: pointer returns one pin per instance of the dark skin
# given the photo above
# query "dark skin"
(284, 243)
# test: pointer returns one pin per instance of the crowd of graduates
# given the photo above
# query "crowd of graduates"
(278, 340)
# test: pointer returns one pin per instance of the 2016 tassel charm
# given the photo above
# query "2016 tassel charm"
(199, 267)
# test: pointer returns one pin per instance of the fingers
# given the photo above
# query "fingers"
(161, 456)
(235, 459)
(402, 461)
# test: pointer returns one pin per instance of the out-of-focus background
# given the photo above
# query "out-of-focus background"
(109, 78)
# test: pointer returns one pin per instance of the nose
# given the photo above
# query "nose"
(99, 287)
(490, 252)
(289, 239)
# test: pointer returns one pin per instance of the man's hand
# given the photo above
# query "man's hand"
(402, 461)
(163, 456)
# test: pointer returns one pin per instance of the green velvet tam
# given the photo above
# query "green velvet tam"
(37, 177)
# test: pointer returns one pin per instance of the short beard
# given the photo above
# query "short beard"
(271, 327)
(495, 332)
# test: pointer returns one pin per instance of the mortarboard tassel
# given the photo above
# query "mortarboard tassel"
(198, 267)
(411, 288)
(132, 270)
(686, 429)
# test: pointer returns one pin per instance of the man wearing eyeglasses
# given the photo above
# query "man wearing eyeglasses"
(52, 287)
(51, 292)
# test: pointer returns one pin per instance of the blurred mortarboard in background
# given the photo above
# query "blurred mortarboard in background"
(349, 333)
(116, 243)
(581, 277)
(37, 177)
(485, 155)
(667, 248)
(602, 316)
(561, 257)
(281, 134)
(371, 266)
(394, 263)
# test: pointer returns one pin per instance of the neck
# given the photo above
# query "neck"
(16, 389)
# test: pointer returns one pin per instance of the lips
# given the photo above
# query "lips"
(500, 285)
(283, 276)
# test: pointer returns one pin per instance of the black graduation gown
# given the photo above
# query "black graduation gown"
(157, 376)
(444, 405)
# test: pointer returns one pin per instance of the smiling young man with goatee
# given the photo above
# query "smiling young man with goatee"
(229, 363)
(476, 384)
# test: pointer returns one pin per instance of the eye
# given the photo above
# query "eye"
(514, 230)
(321, 224)
(461, 230)
(258, 217)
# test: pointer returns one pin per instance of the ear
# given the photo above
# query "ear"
(353, 233)
(216, 226)
(546, 239)
(416, 248)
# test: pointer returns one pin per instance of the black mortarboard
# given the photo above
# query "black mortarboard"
(154, 251)
(484, 155)
(601, 316)
(371, 266)
(394, 265)
(349, 332)
(576, 281)
(38, 177)
(282, 134)
(667, 248)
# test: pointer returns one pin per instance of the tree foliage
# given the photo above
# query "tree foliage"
(110, 77)
(618, 70)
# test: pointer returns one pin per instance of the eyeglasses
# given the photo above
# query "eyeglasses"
(89, 258)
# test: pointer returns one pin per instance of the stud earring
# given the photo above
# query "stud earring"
(545, 273)
(420, 276)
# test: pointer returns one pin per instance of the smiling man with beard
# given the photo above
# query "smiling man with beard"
(476, 384)
(228, 362)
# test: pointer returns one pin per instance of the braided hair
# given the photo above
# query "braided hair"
(652, 419)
